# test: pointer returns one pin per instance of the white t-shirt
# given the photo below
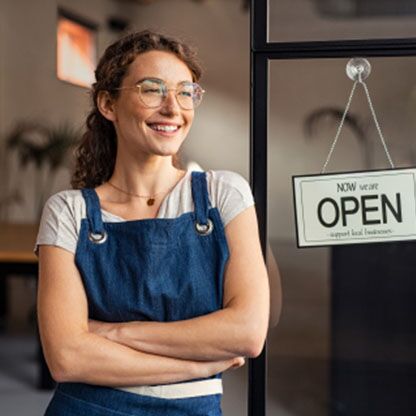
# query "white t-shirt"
(61, 222)
(62, 214)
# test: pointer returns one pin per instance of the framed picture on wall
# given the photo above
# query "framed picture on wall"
(76, 49)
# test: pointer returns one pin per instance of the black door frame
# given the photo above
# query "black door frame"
(262, 52)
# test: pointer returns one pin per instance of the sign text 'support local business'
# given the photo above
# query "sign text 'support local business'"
(355, 208)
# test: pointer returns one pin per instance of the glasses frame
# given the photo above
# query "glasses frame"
(165, 92)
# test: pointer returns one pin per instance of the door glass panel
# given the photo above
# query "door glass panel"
(323, 20)
(347, 334)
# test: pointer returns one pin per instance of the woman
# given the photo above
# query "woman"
(152, 281)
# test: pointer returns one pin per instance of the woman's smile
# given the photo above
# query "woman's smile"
(165, 128)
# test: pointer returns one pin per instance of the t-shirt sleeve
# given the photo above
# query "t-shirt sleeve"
(57, 225)
(233, 195)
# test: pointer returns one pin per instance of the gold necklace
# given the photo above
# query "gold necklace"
(151, 198)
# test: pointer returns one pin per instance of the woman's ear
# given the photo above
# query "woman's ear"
(106, 105)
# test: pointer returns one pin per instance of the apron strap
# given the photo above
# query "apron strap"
(93, 210)
(200, 197)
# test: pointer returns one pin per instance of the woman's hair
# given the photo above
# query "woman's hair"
(96, 154)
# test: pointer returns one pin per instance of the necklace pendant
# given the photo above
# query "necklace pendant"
(150, 201)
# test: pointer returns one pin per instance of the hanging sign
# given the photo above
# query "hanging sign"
(353, 208)
(357, 207)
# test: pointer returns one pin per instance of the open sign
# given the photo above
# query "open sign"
(353, 208)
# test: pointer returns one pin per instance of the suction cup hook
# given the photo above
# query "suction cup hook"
(358, 69)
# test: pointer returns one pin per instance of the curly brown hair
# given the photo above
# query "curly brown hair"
(96, 153)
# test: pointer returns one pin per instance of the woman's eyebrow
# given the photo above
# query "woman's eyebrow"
(149, 79)
(160, 80)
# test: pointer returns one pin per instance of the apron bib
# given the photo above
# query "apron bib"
(159, 269)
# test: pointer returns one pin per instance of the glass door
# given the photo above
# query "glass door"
(346, 338)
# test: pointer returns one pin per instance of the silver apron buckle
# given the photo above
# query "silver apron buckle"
(204, 229)
(98, 238)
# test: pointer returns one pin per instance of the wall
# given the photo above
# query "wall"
(30, 86)
(29, 89)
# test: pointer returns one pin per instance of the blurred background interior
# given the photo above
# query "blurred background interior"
(338, 349)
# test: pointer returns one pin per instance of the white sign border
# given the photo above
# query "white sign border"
(346, 173)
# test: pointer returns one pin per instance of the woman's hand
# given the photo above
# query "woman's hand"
(209, 368)
(238, 362)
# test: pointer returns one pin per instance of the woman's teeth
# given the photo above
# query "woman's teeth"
(166, 128)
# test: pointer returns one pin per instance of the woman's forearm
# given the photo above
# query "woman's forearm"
(220, 335)
(238, 329)
(75, 354)
(96, 360)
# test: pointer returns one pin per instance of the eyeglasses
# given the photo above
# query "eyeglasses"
(152, 93)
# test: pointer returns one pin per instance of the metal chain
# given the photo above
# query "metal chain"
(377, 125)
(341, 124)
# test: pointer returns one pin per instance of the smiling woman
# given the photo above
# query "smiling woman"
(118, 76)
(142, 259)
(144, 113)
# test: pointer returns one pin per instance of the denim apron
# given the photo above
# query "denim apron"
(159, 269)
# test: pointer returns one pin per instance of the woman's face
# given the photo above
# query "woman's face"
(152, 131)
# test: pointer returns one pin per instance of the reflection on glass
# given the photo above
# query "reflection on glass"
(315, 20)
(347, 335)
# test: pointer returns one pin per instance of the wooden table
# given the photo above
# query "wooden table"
(16, 257)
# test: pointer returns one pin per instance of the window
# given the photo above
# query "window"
(76, 50)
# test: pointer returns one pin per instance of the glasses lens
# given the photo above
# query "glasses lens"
(151, 92)
(189, 95)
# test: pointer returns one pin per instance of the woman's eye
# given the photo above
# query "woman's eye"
(186, 93)
(151, 87)
(148, 90)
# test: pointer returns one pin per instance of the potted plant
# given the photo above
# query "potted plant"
(47, 148)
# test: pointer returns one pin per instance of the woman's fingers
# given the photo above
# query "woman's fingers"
(238, 362)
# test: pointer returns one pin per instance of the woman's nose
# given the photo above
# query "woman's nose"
(170, 102)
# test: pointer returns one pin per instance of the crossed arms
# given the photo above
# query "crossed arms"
(134, 353)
